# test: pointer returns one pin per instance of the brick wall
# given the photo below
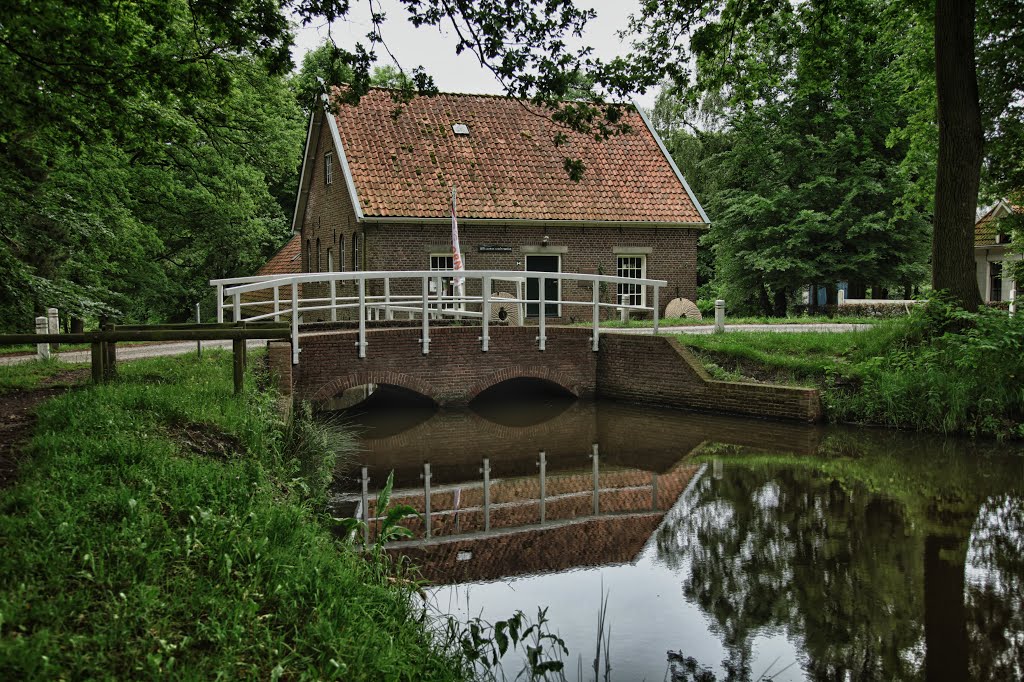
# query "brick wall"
(658, 370)
(633, 368)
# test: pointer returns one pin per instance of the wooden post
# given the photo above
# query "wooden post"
(109, 356)
(238, 355)
(97, 363)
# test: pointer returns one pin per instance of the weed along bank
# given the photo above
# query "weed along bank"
(377, 178)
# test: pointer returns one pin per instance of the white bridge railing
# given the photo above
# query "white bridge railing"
(249, 298)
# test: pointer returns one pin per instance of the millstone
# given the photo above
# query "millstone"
(682, 307)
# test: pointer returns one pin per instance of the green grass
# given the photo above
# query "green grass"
(801, 358)
(160, 527)
(29, 375)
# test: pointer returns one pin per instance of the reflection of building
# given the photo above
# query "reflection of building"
(992, 235)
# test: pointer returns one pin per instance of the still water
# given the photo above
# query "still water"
(725, 549)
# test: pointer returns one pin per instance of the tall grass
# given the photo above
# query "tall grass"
(162, 528)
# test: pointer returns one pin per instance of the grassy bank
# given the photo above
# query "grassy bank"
(161, 527)
(939, 369)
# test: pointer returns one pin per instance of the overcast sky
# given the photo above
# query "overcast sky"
(434, 48)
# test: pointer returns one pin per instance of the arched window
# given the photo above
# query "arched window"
(357, 263)
(341, 253)
(309, 256)
(319, 263)
(330, 260)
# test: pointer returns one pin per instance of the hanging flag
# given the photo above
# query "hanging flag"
(456, 251)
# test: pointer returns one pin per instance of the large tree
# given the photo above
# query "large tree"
(709, 45)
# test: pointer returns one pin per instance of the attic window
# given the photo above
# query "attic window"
(328, 168)
(460, 129)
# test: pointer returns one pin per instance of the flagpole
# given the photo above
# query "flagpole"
(457, 264)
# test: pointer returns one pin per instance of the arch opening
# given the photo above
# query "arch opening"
(524, 401)
(384, 410)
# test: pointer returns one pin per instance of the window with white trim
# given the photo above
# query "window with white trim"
(341, 253)
(328, 168)
(636, 267)
(330, 260)
(995, 274)
(443, 261)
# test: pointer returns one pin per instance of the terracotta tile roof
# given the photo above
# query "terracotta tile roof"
(986, 229)
(287, 260)
(508, 167)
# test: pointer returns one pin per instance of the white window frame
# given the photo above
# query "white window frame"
(329, 168)
(641, 289)
(558, 281)
(446, 282)
(993, 292)
(330, 259)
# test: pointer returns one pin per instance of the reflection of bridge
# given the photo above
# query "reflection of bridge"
(452, 364)
(582, 488)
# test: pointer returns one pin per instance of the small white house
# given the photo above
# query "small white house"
(991, 237)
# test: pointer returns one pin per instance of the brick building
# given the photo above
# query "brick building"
(376, 179)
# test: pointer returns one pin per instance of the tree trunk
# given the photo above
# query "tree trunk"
(779, 300)
(960, 150)
(764, 302)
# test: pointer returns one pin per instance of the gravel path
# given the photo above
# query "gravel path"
(132, 352)
(710, 328)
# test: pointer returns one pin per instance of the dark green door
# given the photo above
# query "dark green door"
(542, 264)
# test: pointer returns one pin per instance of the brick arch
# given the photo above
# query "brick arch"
(339, 385)
(561, 379)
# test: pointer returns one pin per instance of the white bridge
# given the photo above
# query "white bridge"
(279, 298)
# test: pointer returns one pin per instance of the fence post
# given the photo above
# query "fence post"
(220, 304)
(388, 313)
(840, 298)
(42, 349)
(485, 315)
(237, 311)
(542, 313)
(425, 335)
(543, 464)
(361, 343)
(238, 357)
(597, 314)
(334, 299)
(277, 304)
(486, 471)
(97, 362)
(1013, 301)
(719, 316)
(199, 344)
(53, 325)
(109, 355)
(426, 499)
(295, 322)
(656, 307)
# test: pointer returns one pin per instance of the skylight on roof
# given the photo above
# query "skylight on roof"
(460, 129)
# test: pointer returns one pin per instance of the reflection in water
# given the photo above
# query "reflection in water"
(810, 553)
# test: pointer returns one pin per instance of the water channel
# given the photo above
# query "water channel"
(725, 549)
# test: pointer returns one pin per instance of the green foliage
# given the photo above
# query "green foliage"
(389, 526)
(158, 530)
(802, 187)
(34, 374)
(483, 645)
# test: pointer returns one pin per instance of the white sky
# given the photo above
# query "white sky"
(434, 48)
